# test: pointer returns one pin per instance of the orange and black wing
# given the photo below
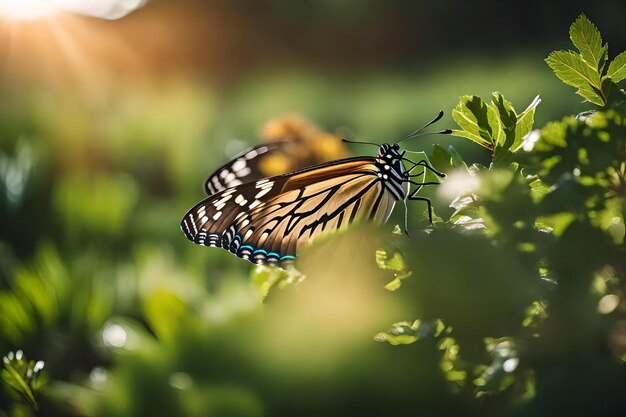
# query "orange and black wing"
(269, 220)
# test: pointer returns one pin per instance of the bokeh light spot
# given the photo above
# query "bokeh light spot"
(608, 303)
(114, 335)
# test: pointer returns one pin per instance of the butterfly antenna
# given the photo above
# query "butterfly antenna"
(418, 132)
(359, 142)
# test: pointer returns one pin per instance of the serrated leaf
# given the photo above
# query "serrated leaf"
(617, 68)
(524, 125)
(591, 95)
(499, 137)
(507, 120)
(475, 120)
(587, 39)
(572, 70)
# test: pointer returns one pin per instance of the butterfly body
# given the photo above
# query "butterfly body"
(266, 221)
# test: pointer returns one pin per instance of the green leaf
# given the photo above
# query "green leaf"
(22, 377)
(476, 120)
(455, 158)
(164, 311)
(496, 377)
(507, 120)
(265, 278)
(572, 70)
(394, 263)
(525, 122)
(617, 68)
(406, 332)
(587, 39)
(440, 158)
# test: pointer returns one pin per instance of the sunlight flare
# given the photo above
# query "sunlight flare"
(41, 9)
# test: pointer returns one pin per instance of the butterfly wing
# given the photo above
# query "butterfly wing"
(269, 220)
(248, 166)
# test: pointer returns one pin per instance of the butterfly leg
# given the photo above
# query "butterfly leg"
(424, 163)
(406, 219)
(420, 184)
(414, 197)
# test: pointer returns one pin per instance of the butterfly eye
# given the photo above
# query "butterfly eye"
(396, 146)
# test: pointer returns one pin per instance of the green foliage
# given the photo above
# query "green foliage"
(405, 333)
(21, 380)
(393, 262)
(587, 70)
(265, 278)
(495, 126)
(528, 239)
(45, 297)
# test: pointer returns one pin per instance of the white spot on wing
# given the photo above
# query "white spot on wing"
(251, 154)
(224, 199)
(263, 192)
(239, 165)
(241, 200)
(254, 204)
(217, 215)
(243, 172)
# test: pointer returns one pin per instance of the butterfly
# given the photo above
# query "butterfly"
(267, 220)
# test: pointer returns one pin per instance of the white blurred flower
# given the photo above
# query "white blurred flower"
(529, 141)
(457, 183)
(510, 364)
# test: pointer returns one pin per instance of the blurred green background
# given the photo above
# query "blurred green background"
(108, 129)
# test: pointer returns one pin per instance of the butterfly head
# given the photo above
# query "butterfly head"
(390, 154)
(389, 159)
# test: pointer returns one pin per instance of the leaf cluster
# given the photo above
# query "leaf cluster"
(587, 70)
(536, 256)
(22, 379)
(495, 125)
